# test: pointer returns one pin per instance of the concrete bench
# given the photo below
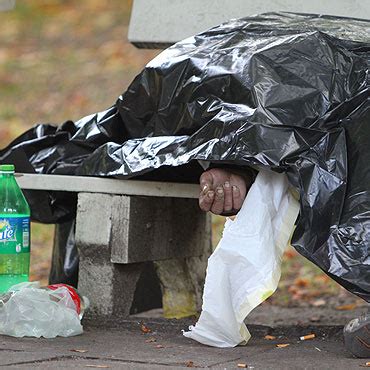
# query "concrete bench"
(123, 224)
(120, 225)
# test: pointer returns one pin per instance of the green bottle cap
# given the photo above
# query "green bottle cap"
(7, 167)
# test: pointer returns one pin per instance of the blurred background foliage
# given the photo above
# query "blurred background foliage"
(64, 59)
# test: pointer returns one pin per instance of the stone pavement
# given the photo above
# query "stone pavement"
(124, 345)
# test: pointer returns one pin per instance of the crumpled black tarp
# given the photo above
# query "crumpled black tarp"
(285, 91)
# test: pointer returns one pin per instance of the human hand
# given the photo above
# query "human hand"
(222, 191)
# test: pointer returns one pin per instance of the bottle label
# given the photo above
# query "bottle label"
(14, 235)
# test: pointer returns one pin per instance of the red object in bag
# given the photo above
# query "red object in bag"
(72, 292)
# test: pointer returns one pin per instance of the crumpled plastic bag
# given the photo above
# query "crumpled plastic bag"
(245, 268)
(29, 311)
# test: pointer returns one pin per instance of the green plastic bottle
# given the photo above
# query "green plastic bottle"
(14, 231)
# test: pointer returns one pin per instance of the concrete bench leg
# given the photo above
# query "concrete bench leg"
(182, 279)
(116, 234)
(178, 292)
(110, 287)
(182, 282)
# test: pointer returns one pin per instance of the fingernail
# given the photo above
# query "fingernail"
(227, 184)
(220, 191)
(205, 187)
(235, 189)
(210, 194)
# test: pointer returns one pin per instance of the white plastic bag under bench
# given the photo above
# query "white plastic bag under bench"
(245, 268)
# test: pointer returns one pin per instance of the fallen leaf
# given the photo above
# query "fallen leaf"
(283, 345)
(98, 366)
(145, 329)
(151, 340)
(302, 282)
(79, 350)
(290, 253)
(298, 296)
(159, 346)
(346, 307)
(319, 302)
(189, 364)
(269, 337)
(243, 366)
(321, 278)
(307, 337)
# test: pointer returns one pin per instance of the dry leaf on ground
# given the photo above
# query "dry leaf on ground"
(301, 282)
(346, 307)
(269, 337)
(282, 345)
(145, 329)
(319, 302)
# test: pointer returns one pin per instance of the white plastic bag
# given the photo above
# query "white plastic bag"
(245, 268)
(30, 311)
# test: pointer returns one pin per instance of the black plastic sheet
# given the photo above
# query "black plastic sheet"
(284, 91)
